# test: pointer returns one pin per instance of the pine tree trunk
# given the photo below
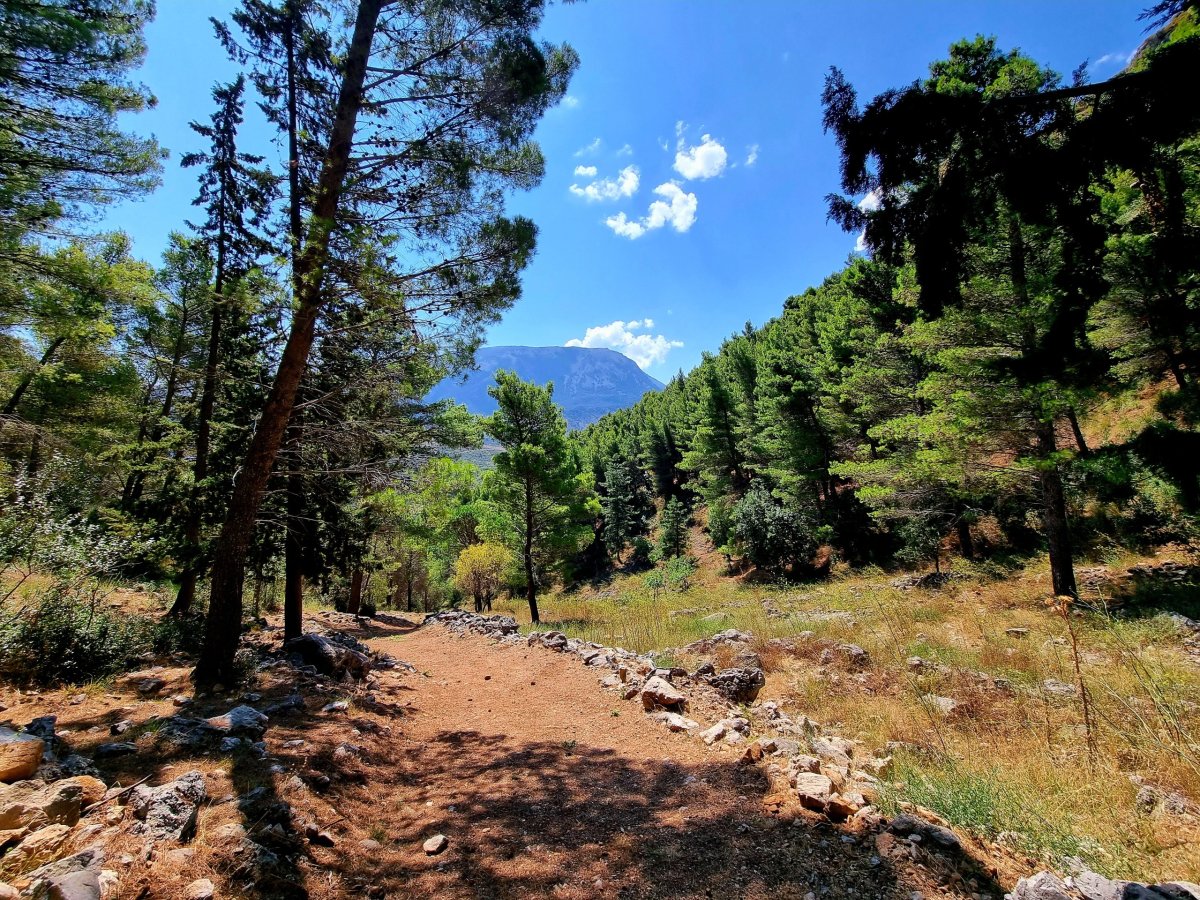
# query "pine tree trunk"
(14, 399)
(966, 543)
(356, 583)
(530, 586)
(293, 547)
(216, 664)
(1054, 516)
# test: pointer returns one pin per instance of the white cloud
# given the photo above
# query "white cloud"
(752, 154)
(1119, 60)
(624, 185)
(869, 203)
(643, 349)
(593, 147)
(586, 171)
(570, 101)
(677, 209)
(627, 150)
(706, 160)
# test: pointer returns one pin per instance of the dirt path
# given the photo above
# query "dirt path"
(548, 786)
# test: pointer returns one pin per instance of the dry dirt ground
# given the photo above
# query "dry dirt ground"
(544, 784)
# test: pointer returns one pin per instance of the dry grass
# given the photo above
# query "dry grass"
(1010, 735)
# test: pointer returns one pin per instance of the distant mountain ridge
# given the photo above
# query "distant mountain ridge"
(589, 382)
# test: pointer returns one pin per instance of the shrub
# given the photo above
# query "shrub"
(680, 570)
(770, 536)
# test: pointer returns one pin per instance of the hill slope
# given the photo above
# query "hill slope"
(588, 382)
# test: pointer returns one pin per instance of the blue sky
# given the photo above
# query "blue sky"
(687, 170)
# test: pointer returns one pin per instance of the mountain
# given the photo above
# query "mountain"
(588, 382)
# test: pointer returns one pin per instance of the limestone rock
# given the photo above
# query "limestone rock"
(711, 735)
(1042, 886)
(660, 692)
(20, 754)
(674, 721)
(200, 889)
(436, 844)
(241, 721)
(31, 804)
(39, 848)
(739, 685)
(834, 749)
(813, 789)
(170, 810)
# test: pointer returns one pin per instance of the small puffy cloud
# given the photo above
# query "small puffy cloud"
(869, 203)
(752, 154)
(627, 150)
(570, 101)
(590, 149)
(677, 208)
(624, 185)
(644, 349)
(706, 160)
(585, 171)
(1113, 60)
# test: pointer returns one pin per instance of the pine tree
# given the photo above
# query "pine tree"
(236, 193)
(672, 530)
(626, 503)
(545, 500)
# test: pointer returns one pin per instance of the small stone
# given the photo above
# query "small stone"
(711, 735)
(1042, 886)
(200, 889)
(336, 706)
(148, 687)
(120, 748)
(121, 727)
(436, 844)
(674, 721)
(370, 845)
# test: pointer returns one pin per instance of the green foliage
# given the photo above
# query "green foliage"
(679, 571)
(771, 536)
(545, 502)
(672, 530)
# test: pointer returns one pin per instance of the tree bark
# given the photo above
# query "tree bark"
(224, 625)
(530, 585)
(1080, 440)
(293, 545)
(1054, 515)
(966, 543)
(15, 400)
(356, 583)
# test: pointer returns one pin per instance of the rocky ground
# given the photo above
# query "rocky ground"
(486, 764)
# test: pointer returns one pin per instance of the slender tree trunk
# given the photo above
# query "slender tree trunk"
(225, 608)
(1080, 440)
(965, 542)
(23, 385)
(1054, 516)
(530, 585)
(208, 402)
(356, 581)
(293, 546)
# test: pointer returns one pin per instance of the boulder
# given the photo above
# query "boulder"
(39, 848)
(711, 735)
(945, 706)
(31, 804)
(834, 749)
(20, 754)
(82, 885)
(170, 810)
(1042, 886)
(739, 685)
(658, 692)
(328, 657)
(1179, 890)
(1097, 887)
(909, 824)
(241, 721)
(674, 721)
(813, 789)
(435, 844)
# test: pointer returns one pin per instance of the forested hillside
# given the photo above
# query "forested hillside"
(1009, 366)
